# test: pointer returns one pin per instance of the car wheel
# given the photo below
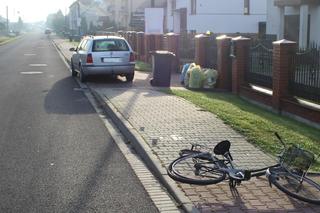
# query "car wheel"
(73, 71)
(82, 75)
(129, 77)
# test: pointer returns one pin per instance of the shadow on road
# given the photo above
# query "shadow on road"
(65, 97)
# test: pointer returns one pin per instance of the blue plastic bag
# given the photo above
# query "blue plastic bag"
(184, 72)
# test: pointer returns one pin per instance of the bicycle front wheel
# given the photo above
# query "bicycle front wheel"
(199, 169)
(301, 188)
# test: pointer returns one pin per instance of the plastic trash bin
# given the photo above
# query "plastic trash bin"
(161, 68)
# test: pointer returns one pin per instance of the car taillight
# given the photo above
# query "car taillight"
(89, 59)
(131, 57)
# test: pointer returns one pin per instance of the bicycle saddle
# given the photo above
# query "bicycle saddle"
(222, 147)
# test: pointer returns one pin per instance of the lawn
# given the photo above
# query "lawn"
(73, 43)
(257, 124)
(5, 39)
(142, 66)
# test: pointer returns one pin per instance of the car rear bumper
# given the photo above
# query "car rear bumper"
(117, 70)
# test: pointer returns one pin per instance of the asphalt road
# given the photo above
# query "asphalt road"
(55, 153)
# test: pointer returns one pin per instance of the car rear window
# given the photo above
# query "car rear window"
(110, 45)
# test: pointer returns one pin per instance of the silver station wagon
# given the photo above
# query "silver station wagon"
(97, 55)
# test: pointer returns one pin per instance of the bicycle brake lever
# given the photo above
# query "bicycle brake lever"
(268, 176)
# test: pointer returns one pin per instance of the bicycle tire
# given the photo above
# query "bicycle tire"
(289, 183)
(183, 169)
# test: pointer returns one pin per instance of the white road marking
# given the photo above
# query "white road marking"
(31, 73)
(38, 65)
(29, 54)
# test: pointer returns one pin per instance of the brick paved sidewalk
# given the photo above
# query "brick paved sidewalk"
(168, 123)
(175, 123)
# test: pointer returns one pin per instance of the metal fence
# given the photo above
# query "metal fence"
(305, 80)
(260, 70)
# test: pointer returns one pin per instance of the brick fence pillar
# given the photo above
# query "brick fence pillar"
(200, 49)
(125, 35)
(283, 52)
(174, 47)
(240, 62)
(224, 63)
(134, 40)
(149, 46)
(158, 42)
(140, 46)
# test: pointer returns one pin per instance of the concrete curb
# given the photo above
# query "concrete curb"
(144, 151)
(57, 46)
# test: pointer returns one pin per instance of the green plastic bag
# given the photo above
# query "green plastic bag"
(196, 78)
(210, 78)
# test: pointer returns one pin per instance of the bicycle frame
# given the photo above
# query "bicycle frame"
(225, 165)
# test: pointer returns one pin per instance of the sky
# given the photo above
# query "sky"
(32, 10)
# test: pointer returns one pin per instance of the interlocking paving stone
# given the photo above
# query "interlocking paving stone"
(168, 124)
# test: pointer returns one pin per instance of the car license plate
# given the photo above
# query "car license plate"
(111, 60)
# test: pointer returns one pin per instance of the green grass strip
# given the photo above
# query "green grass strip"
(73, 43)
(7, 39)
(142, 66)
(257, 124)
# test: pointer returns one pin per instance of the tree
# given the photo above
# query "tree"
(2, 26)
(56, 21)
(92, 28)
(84, 25)
(20, 24)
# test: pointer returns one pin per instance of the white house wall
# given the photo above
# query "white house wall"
(273, 17)
(181, 3)
(225, 16)
(292, 10)
(230, 7)
(218, 23)
(315, 24)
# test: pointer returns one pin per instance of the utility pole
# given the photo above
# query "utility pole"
(79, 19)
(7, 20)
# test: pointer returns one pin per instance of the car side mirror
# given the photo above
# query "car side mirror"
(72, 49)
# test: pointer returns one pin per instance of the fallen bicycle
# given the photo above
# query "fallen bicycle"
(290, 175)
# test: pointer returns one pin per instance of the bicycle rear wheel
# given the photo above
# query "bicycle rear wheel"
(199, 169)
(301, 188)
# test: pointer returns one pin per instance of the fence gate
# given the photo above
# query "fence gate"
(305, 80)
(260, 70)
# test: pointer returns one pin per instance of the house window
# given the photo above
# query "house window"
(173, 6)
(193, 7)
(246, 9)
